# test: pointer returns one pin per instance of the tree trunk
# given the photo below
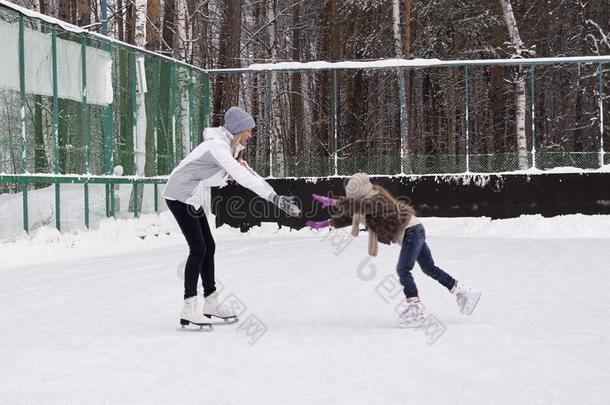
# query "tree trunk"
(398, 48)
(200, 33)
(41, 6)
(396, 29)
(190, 31)
(226, 88)
(169, 14)
(409, 83)
(496, 85)
(84, 13)
(520, 124)
(258, 91)
(296, 95)
(519, 80)
(182, 52)
(139, 142)
(153, 25)
(139, 25)
(131, 23)
(278, 144)
(119, 19)
(452, 111)
(73, 11)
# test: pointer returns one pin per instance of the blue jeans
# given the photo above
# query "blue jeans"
(414, 248)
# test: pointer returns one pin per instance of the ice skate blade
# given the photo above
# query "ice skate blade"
(411, 325)
(188, 326)
(220, 320)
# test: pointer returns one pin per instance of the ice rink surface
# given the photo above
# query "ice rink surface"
(94, 320)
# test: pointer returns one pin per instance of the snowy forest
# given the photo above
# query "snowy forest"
(234, 34)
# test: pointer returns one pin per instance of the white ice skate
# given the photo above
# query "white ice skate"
(212, 308)
(413, 314)
(191, 314)
(467, 298)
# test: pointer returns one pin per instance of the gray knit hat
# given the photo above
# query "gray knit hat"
(358, 186)
(237, 120)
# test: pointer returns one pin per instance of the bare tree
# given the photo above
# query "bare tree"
(226, 88)
(169, 15)
(519, 82)
(277, 96)
(140, 124)
(296, 94)
(153, 25)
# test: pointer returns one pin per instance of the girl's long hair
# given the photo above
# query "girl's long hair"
(402, 207)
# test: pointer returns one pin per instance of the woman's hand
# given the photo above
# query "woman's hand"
(287, 205)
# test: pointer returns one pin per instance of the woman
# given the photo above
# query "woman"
(391, 221)
(209, 164)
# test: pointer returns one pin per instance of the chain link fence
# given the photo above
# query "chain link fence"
(76, 103)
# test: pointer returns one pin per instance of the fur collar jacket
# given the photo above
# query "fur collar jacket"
(384, 220)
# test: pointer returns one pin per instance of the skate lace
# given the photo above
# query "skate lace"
(413, 311)
(461, 300)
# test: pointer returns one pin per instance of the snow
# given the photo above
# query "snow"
(565, 169)
(318, 65)
(605, 169)
(41, 207)
(415, 63)
(91, 317)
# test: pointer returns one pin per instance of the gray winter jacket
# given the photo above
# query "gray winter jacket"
(210, 164)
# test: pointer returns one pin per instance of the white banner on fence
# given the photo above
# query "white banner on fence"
(38, 67)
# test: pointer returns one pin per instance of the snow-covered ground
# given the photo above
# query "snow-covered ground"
(92, 317)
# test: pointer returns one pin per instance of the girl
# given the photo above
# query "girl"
(391, 221)
(209, 164)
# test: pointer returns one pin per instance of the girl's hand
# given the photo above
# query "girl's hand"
(318, 224)
(326, 201)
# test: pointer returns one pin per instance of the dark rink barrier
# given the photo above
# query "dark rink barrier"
(468, 195)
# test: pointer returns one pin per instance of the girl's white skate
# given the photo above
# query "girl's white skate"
(467, 298)
(413, 314)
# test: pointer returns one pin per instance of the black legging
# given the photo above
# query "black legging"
(196, 230)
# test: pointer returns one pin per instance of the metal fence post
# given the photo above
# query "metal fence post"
(190, 96)
(467, 118)
(134, 127)
(85, 124)
(172, 107)
(270, 120)
(533, 112)
(108, 132)
(56, 125)
(104, 12)
(600, 74)
(24, 161)
(401, 115)
(155, 101)
(134, 187)
(134, 110)
(335, 120)
(206, 99)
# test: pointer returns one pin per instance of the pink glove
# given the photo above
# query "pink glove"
(318, 224)
(326, 201)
